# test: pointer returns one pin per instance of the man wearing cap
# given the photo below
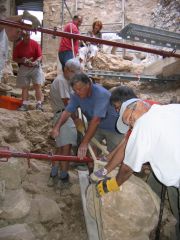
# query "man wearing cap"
(150, 141)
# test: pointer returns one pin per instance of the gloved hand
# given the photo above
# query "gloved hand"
(107, 185)
(103, 159)
(98, 175)
(35, 22)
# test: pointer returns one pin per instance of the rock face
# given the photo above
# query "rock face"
(16, 232)
(166, 15)
(15, 205)
(131, 213)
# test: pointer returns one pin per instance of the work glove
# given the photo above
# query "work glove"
(103, 159)
(107, 185)
(98, 175)
(35, 22)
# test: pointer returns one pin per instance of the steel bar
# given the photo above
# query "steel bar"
(8, 154)
(90, 39)
(122, 77)
(149, 35)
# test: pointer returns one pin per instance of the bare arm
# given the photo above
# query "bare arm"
(92, 126)
(117, 156)
(124, 173)
(64, 117)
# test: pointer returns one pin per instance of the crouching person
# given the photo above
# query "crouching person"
(67, 137)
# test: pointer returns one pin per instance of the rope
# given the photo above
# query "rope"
(96, 200)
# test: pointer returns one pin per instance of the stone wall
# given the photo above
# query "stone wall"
(107, 11)
(7, 8)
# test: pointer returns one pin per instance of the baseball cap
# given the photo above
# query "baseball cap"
(122, 127)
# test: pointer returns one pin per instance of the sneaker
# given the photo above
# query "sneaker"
(63, 183)
(4, 87)
(23, 107)
(39, 107)
(52, 181)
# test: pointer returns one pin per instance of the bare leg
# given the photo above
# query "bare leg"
(38, 92)
(65, 150)
(25, 94)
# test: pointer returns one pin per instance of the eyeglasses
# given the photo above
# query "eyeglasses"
(130, 118)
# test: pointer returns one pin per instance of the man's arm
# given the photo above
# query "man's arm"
(64, 117)
(124, 173)
(112, 184)
(116, 156)
(92, 126)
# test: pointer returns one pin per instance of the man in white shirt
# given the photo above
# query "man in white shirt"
(155, 138)
(60, 95)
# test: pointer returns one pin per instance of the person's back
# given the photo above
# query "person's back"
(59, 89)
(157, 135)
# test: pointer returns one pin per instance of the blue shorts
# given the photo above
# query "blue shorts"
(64, 57)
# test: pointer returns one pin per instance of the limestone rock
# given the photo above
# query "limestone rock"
(15, 205)
(11, 173)
(47, 209)
(16, 232)
(131, 213)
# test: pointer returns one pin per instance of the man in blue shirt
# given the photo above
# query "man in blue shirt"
(93, 100)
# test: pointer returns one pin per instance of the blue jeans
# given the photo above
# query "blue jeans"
(64, 57)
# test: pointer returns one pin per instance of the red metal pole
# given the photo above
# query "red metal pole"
(90, 39)
(7, 154)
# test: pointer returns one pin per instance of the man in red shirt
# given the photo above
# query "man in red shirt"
(69, 47)
(28, 55)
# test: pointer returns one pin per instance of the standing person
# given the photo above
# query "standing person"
(12, 34)
(69, 47)
(89, 52)
(67, 137)
(93, 100)
(28, 55)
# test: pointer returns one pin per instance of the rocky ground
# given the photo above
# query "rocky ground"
(31, 210)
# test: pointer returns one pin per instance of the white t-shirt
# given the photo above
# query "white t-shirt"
(3, 51)
(156, 139)
(60, 88)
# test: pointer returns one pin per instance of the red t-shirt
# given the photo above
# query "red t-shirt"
(65, 43)
(151, 102)
(28, 50)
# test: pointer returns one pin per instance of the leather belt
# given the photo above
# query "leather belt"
(59, 111)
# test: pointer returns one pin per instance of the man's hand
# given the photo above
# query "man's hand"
(82, 150)
(35, 22)
(107, 185)
(55, 132)
(98, 175)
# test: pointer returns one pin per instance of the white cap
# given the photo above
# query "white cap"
(123, 128)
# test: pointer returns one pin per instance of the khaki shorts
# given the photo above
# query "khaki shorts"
(112, 138)
(28, 74)
(67, 134)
